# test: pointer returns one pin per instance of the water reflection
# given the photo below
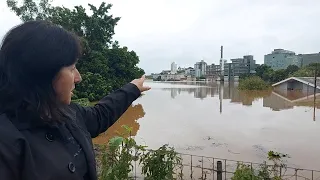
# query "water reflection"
(246, 98)
(275, 100)
(198, 92)
(129, 118)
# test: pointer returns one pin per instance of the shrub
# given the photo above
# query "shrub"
(264, 172)
(121, 151)
(160, 164)
(244, 172)
(253, 83)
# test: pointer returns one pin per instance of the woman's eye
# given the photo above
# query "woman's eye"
(73, 69)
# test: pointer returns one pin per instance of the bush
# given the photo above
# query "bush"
(160, 164)
(245, 172)
(121, 151)
(253, 83)
(264, 171)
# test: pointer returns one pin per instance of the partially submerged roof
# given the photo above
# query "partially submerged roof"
(297, 100)
(306, 80)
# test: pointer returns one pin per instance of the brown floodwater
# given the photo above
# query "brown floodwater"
(217, 120)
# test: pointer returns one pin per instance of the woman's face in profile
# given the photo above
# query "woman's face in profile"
(65, 81)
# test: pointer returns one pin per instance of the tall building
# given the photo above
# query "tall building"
(240, 66)
(213, 70)
(210, 70)
(251, 63)
(173, 68)
(200, 68)
(309, 58)
(281, 59)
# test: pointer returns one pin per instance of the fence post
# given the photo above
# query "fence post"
(191, 174)
(213, 168)
(251, 171)
(225, 169)
(202, 168)
(219, 170)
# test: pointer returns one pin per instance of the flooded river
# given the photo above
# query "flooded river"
(217, 120)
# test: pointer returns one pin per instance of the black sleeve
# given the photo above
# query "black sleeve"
(109, 109)
(5, 172)
(9, 163)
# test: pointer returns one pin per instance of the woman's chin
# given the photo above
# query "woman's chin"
(66, 101)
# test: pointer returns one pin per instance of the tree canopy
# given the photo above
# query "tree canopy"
(308, 71)
(104, 65)
(268, 74)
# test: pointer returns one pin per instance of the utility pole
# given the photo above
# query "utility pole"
(220, 95)
(314, 93)
(221, 64)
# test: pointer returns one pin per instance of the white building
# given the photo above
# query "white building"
(173, 68)
(222, 63)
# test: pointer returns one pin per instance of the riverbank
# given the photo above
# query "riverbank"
(274, 167)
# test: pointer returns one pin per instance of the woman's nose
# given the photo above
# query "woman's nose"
(77, 78)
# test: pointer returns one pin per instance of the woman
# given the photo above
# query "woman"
(42, 134)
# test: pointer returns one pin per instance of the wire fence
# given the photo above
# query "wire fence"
(195, 167)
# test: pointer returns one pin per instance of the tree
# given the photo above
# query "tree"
(103, 60)
(314, 67)
(268, 74)
(304, 72)
(279, 75)
(260, 70)
(264, 72)
(291, 69)
(92, 87)
(123, 66)
(308, 71)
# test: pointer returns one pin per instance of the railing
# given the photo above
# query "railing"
(208, 168)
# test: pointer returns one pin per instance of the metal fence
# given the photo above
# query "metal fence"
(195, 167)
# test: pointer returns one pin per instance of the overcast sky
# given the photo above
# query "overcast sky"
(186, 31)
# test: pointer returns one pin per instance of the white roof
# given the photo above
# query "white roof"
(306, 80)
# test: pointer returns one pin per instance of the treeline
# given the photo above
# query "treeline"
(105, 65)
(267, 74)
(271, 76)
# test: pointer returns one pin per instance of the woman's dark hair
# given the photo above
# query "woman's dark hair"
(31, 55)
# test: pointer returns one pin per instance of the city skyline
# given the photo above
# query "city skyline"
(293, 59)
(190, 31)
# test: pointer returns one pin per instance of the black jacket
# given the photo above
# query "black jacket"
(35, 151)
